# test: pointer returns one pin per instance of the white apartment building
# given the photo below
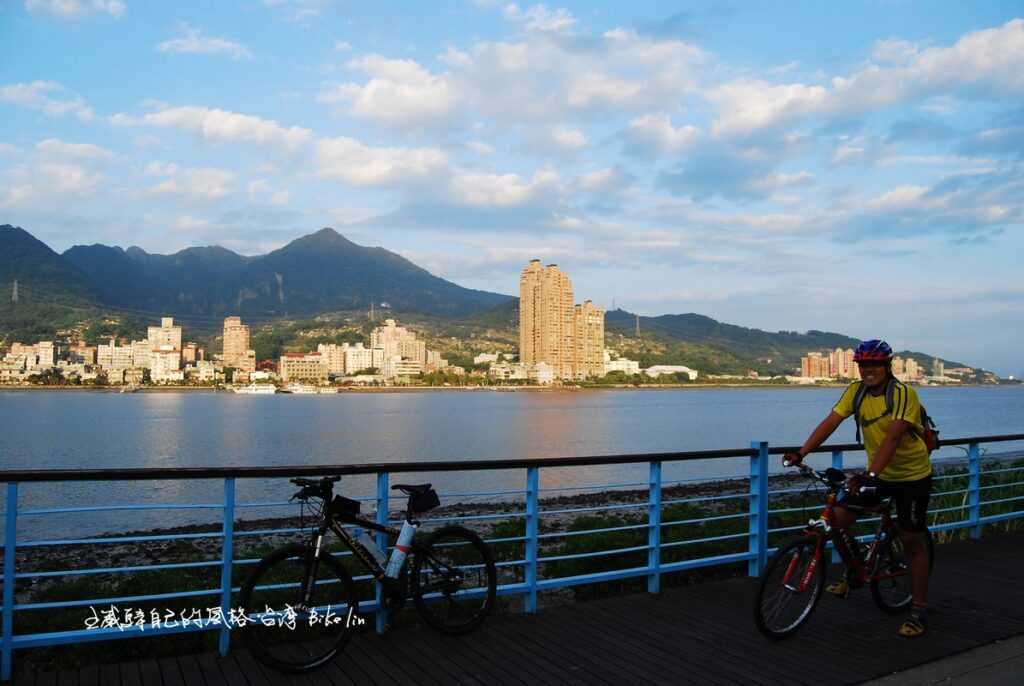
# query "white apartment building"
(165, 365)
(167, 334)
(141, 354)
(484, 358)
(113, 356)
(46, 352)
(541, 373)
(508, 371)
(302, 367)
(629, 367)
(659, 369)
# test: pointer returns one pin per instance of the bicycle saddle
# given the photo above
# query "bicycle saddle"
(410, 489)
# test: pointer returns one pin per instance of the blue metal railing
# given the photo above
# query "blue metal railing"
(526, 584)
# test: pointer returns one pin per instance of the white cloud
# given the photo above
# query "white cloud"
(540, 19)
(192, 40)
(73, 9)
(654, 133)
(500, 190)
(186, 223)
(262, 191)
(8, 150)
(342, 46)
(353, 162)
(202, 184)
(42, 185)
(604, 181)
(52, 147)
(39, 95)
(221, 126)
(299, 10)
(399, 93)
(987, 64)
(480, 148)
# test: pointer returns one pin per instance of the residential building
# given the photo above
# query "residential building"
(541, 373)
(141, 354)
(484, 358)
(358, 358)
(237, 349)
(815, 366)
(302, 367)
(165, 365)
(166, 335)
(113, 356)
(508, 371)
(659, 369)
(191, 353)
(623, 365)
(588, 341)
(46, 353)
(938, 368)
(568, 338)
(333, 356)
(397, 340)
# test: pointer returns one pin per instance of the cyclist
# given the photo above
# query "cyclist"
(898, 465)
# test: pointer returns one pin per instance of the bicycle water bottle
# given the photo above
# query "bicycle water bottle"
(401, 550)
(366, 540)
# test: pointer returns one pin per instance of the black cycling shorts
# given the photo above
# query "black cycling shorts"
(909, 497)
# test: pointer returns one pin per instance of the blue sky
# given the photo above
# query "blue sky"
(853, 167)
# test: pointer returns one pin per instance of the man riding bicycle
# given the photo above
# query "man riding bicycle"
(898, 464)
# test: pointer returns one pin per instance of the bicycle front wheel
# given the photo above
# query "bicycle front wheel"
(454, 581)
(286, 633)
(891, 580)
(789, 589)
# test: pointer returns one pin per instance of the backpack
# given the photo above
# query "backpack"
(930, 435)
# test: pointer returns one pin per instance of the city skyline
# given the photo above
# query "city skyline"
(756, 164)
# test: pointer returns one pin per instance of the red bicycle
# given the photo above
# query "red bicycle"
(794, 578)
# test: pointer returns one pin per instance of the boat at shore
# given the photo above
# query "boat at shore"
(256, 389)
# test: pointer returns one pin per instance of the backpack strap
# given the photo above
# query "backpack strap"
(858, 398)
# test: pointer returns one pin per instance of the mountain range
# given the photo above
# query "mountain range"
(320, 272)
(325, 272)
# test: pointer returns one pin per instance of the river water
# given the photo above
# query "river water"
(69, 430)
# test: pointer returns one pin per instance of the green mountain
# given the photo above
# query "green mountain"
(317, 273)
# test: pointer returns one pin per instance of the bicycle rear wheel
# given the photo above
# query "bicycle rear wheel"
(283, 632)
(891, 579)
(454, 581)
(789, 589)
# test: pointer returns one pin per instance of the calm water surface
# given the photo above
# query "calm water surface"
(69, 430)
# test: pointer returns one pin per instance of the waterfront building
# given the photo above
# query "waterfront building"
(568, 338)
(588, 341)
(434, 361)
(165, 365)
(541, 373)
(398, 366)
(628, 367)
(302, 367)
(938, 370)
(167, 334)
(484, 358)
(113, 356)
(657, 370)
(191, 353)
(237, 348)
(46, 353)
(141, 354)
(358, 358)
(333, 356)
(397, 340)
(815, 366)
(508, 371)
(80, 353)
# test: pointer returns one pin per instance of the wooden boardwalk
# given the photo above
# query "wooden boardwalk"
(699, 634)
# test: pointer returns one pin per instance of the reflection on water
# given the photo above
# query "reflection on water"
(95, 430)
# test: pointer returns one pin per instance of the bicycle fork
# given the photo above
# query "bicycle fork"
(314, 565)
(805, 578)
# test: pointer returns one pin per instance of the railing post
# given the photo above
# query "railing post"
(758, 508)
(654, 529)
(973, 489)
(10, 548)
(226, 561)
(383, 510)
(837, 462)
(532, 516)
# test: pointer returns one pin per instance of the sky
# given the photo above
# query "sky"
(852, 167)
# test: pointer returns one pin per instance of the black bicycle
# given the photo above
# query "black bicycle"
(301, 605)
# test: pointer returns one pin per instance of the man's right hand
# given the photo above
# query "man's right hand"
(792, 458)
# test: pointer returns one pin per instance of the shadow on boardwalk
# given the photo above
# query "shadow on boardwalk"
(699, 634)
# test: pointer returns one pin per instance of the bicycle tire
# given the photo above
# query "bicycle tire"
(267, 643)
(433, 583)
(792, 558)
(891, 598)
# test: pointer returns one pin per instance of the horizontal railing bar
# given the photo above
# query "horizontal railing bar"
(635, 484)
(597, 508)
(1007, 485)
(1002, 500)
(983, 472)
(711, 539)
(113, 508)
(598, 553)
(480, 494)
(120, 539)
(717, 518)
(118, 570)
(111, 601)
(704, 499)
(565, 534)
(162, 473)
(936, 494)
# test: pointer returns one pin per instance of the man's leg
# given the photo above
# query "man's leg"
(841, 519)
(916, 551)
(912, 514)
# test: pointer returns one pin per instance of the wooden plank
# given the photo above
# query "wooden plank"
(250, 670)
(150, 671)
(169, 672)
(90, 676)
(130, 674)
(110, 675)
(209, 664)
(191, 672)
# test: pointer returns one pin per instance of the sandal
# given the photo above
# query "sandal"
(916, 625)
(840, 589)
